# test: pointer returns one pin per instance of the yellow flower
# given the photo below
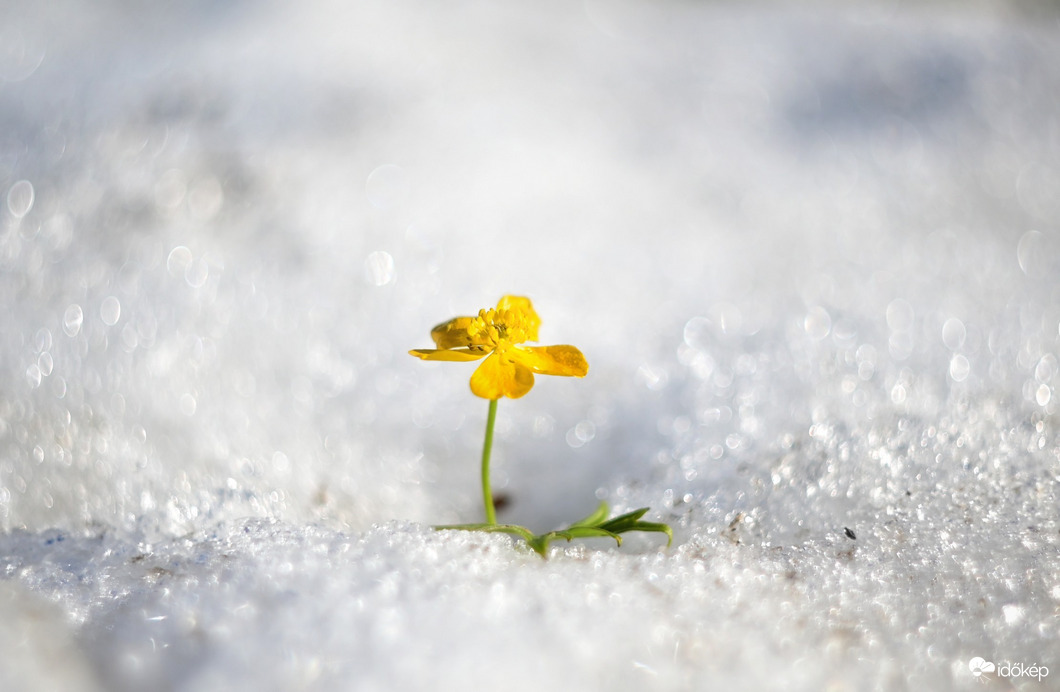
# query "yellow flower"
(509, 369)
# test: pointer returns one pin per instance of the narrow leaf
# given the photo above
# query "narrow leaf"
(594, 519)
(592, 532)
(624, 521)
(648, 526)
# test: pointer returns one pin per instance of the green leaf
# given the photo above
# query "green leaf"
(630, 521)
(625, 521)
(596, 525)
(594, 519)
(652, 527)
(590, 532)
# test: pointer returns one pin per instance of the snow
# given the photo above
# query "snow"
(810, 254)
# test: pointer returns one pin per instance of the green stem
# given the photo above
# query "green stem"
(487, 494)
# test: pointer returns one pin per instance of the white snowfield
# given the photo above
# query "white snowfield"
(811, 253)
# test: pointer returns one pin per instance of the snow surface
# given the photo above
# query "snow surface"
(811, 255)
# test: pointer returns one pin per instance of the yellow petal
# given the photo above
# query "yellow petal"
(499, 376)
(519, 315)
(448, 354)
(454, 334)
(552, 360)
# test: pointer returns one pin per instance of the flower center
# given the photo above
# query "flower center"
(501, 328)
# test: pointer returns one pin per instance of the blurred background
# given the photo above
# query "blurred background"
(808, 249)
(226, 223)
